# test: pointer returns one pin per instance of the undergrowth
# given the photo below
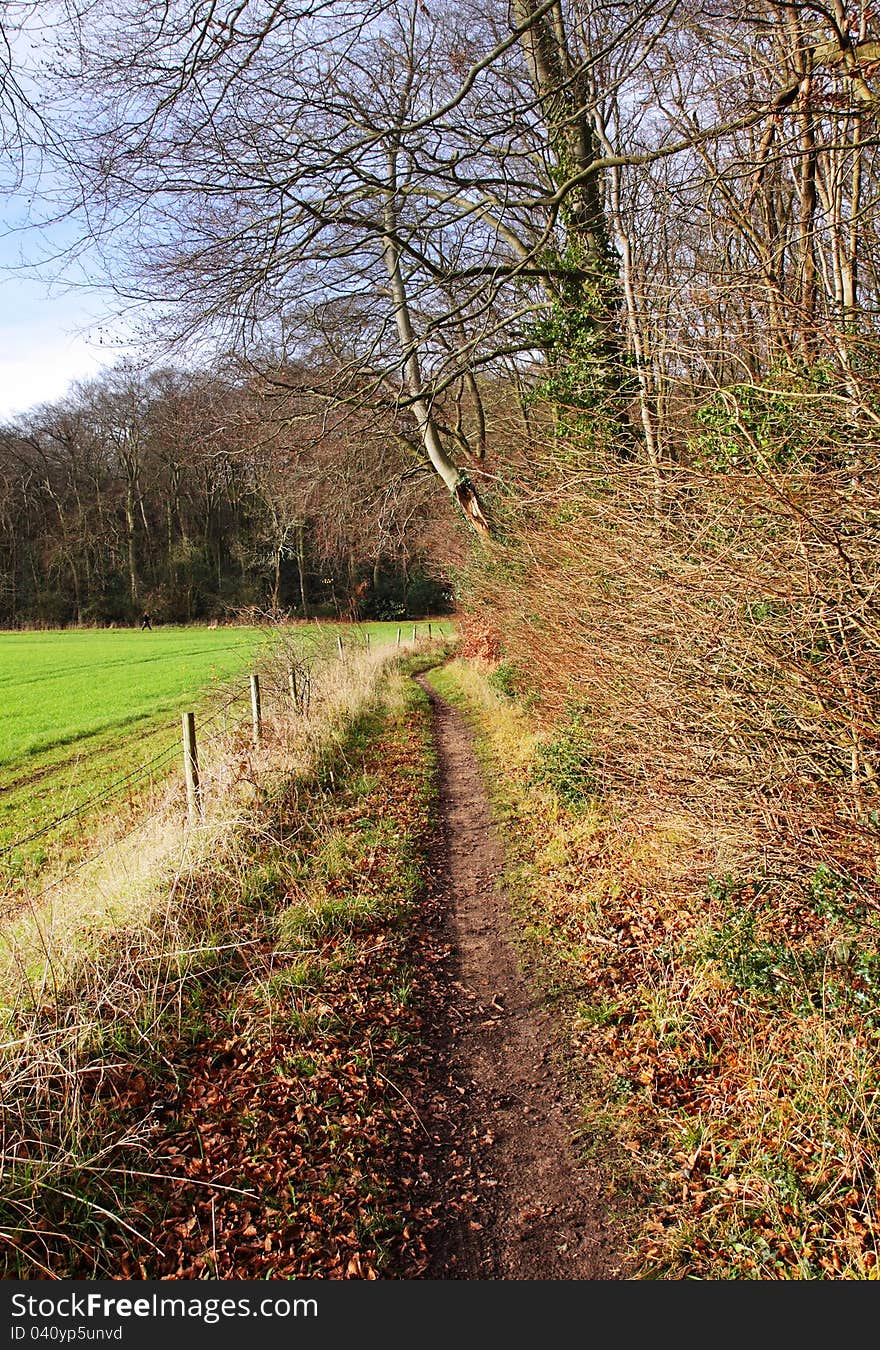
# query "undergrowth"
(221, 1089)
(721, 1029)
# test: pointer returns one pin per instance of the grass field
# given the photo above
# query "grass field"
(80, 711)
(90, 722)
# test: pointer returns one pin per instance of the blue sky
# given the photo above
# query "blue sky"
(48, 339)
(53, 328)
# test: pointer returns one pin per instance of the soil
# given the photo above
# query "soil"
(537, 1212)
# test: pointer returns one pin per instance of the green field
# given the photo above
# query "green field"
(82, 711)
(90, 720)
(57, 689)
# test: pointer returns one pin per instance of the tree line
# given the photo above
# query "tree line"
(628, 209)
(180, 495)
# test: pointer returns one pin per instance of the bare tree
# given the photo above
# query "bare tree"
(439, 170)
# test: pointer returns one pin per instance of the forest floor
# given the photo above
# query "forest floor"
(541, 1216)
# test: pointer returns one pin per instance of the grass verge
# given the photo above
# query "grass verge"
(722, 1030)
(90, 721)
(225, 1089)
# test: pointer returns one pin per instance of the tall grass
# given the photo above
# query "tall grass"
(101, 974)
(698, 647)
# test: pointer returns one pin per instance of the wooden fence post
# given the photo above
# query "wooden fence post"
(398, 637)
(429, 632)
(255, 709)
(339, 644)
(414, 633)
(367, 636)
(191, 769)
(294, 692)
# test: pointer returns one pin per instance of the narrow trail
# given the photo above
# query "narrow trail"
(539, 1216)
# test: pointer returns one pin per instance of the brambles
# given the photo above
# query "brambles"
(721, 1020)
(506, 679)
(790, 420)
(565, 763)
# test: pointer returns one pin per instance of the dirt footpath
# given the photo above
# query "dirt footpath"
(538, 1216)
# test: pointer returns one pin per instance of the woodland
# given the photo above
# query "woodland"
(574, 307)
(181, 495)
(568, 310)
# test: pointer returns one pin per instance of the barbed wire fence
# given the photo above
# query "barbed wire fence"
(289, 674)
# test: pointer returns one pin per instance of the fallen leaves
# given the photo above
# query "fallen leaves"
(724, 1036)
(287, 1139)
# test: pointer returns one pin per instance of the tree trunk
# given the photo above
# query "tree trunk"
(850, 268)
(276, 580)
(588, 330)
(805, 181)
(647, 405)
(457, 482)
(300, 567)
(132, 550)
(74, 577)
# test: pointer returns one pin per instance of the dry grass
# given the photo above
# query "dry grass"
(106, 967)
(124, 881)
(723, 1032)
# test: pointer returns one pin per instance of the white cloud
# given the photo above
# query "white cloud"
(49, 337)
(42, 372)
